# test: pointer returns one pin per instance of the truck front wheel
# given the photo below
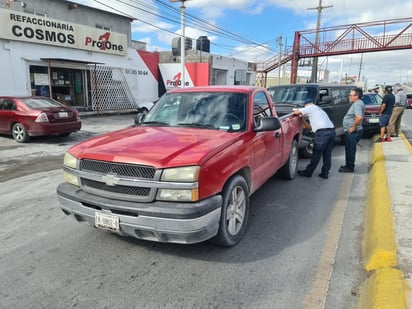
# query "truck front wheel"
(289, 170)
(235, 212)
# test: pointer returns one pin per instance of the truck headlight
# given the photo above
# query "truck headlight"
(180, 174)
(186, 173)
(178, 195)
(71, 162)
(70, 178)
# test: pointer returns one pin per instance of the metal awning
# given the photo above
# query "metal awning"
(70, 60)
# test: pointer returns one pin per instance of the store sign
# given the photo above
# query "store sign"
(42, 30)
(196, 74)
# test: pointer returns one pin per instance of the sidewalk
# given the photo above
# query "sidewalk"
(387, 241)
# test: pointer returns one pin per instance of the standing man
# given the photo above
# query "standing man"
(352, 124)
(319, 123)
(397, 112)
(385, 113)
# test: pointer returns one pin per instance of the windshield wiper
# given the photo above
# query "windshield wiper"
(196, 125)
(156, 123)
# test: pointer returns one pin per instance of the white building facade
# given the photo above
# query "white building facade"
(84, 57)
(80, 56)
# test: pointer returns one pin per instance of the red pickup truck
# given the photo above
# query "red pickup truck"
(185, 172)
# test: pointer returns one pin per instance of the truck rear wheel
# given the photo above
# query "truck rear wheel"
(235, 212)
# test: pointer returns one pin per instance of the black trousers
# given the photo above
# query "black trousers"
(322, 147)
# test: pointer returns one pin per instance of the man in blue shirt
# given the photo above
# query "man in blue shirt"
(352, 124)
(325, 134)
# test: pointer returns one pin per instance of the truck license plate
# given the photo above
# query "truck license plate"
(106, 221)
(374, 120)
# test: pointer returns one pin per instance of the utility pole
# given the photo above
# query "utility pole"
(182, 40)
(360, 67)
(319, 8)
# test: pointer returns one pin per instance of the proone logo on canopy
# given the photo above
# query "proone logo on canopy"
(103, 43)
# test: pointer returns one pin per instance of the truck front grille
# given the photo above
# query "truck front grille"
(120, 192)
(121, 169)
(133, 191)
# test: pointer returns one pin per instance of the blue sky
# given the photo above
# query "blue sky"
(250, 29)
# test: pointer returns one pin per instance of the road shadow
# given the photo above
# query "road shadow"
(275, 223)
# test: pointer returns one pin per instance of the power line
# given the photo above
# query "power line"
(171, 14)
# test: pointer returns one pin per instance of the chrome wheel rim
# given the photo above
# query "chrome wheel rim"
(18, 133)
(236, 210)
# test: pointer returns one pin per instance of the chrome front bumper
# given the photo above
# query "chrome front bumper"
(183, 223)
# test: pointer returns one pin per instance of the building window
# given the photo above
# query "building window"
(104, 27)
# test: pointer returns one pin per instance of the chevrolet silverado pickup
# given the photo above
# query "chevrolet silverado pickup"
(184, 173)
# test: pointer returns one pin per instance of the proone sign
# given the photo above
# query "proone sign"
(42, 30)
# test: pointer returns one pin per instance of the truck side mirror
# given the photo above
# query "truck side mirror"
(268, 124)
(139, 118)
(327, 99)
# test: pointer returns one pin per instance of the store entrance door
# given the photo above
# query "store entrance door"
(68, 86)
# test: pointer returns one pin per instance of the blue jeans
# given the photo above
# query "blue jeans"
(351, 140)
(322, 147)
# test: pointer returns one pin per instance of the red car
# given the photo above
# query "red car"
(23, 117)
(409, 102)
(370, 122)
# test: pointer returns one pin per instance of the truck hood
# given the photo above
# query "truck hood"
(160, 147)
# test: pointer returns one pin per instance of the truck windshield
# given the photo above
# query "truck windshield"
(294, 95)
(208, 110)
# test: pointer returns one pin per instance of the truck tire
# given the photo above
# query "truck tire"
(306, 152)
(235, 212)
(289, 170)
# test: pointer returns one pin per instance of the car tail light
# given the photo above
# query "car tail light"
(42, 118)
(77, 114)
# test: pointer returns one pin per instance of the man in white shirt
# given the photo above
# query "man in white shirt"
(324, 141)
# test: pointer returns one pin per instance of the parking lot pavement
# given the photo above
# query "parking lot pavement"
(387, 242)
(46, 153)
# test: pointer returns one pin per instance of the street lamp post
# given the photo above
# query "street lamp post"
(183, 39)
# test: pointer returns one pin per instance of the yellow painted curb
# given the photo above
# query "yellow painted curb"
(407, 144)
(384, 289)
(379, 244)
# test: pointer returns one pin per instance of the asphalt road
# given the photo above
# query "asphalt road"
(301, 249)
(46, 153)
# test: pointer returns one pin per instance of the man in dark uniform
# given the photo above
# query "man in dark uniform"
(322, 126)
(385, 113)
